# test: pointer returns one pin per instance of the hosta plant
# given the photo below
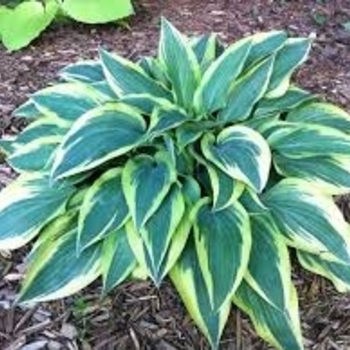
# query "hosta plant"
(202, 163)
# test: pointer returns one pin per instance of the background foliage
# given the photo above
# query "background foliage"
(23, 21)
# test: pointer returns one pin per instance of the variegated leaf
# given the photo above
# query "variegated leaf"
(242, 153)
(26, 206)
(337, 273)
(214, 87)
(50, 277)
(265, 44)
(180, 63)
(67, 101)
(324, 114)
(293, 98)
(114, 130)
(295, 140)
(126, 77)
(309, 220)
(146, 181)
(188, 280)
(269, 269)
(331, 174)
(225, 189)
(103, 210)
(281, 328)
(246, 92)
(288, 58)
(223, 243)
(117, 259)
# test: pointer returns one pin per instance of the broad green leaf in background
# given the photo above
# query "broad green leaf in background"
(20, 25)
(101, 11)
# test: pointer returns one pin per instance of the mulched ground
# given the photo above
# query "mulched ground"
(136, 315)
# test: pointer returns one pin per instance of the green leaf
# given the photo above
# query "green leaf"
(103, 210)
(225, 189)
(324, 114)
(292, 55)
(309, 220)
(34, 156)
(337, 273)
(146, 103)
(102, 11)
(269, 269)
(168, 118)
(126, 77)
(87, 71)
(214, 87)
(180, 63)
(146, 181)
(246, 92)
(205, 47)
(117, 259)
(20, 25)
(293, 98)
(296, 140)
(66, 101)
(27, 110)
(265, 44)
(331, 174)
(240, 152)
(26, 206)
(114, 129)
(187, 134)
(158, 231)
(188, 280)
(281, 328)
(41, 128)
(50, 277)
(223, 243)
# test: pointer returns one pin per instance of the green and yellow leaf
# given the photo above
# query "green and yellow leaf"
(188, 280)
(117, 259)
(103, 210)
(111, 130)
(309, 219)
(146, 182)
(223, 242)
(242, 153)
(281, 328)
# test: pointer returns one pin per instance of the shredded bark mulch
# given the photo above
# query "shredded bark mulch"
(137, 315)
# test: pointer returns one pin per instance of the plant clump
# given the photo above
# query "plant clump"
(203, 163)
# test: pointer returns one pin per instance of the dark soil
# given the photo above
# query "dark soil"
(137, 315)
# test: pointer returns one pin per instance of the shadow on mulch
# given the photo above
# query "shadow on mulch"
(136, 315)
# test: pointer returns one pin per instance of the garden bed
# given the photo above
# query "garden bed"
(137, 315)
